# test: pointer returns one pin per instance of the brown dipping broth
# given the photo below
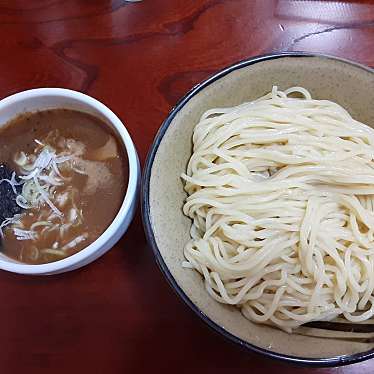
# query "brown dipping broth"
(98, 195)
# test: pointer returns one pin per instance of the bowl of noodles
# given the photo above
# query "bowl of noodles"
(267, 227)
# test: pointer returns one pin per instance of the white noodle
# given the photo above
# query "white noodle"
(281, 194)
(12, 181)
(75, 242)
(21, 234)
(39, 142)
(9, 221)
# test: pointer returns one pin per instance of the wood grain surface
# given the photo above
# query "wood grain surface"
(118, 315)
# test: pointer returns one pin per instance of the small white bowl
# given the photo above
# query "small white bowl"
(48, 98)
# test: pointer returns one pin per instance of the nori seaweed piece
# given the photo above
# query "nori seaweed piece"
(8, 205)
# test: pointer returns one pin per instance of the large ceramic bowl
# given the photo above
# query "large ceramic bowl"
(347, 83)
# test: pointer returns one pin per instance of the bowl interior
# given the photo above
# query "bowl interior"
(326, 78)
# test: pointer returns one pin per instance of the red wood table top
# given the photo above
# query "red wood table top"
(118, 314)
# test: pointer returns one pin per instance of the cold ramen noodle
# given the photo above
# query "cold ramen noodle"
(281, 194)
(63, 177)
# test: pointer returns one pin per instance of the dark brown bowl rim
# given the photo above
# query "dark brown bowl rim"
(145, 207)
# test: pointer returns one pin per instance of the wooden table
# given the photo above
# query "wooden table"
(118, 315)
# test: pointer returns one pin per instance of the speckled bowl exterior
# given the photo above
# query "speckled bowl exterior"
(349, 84)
